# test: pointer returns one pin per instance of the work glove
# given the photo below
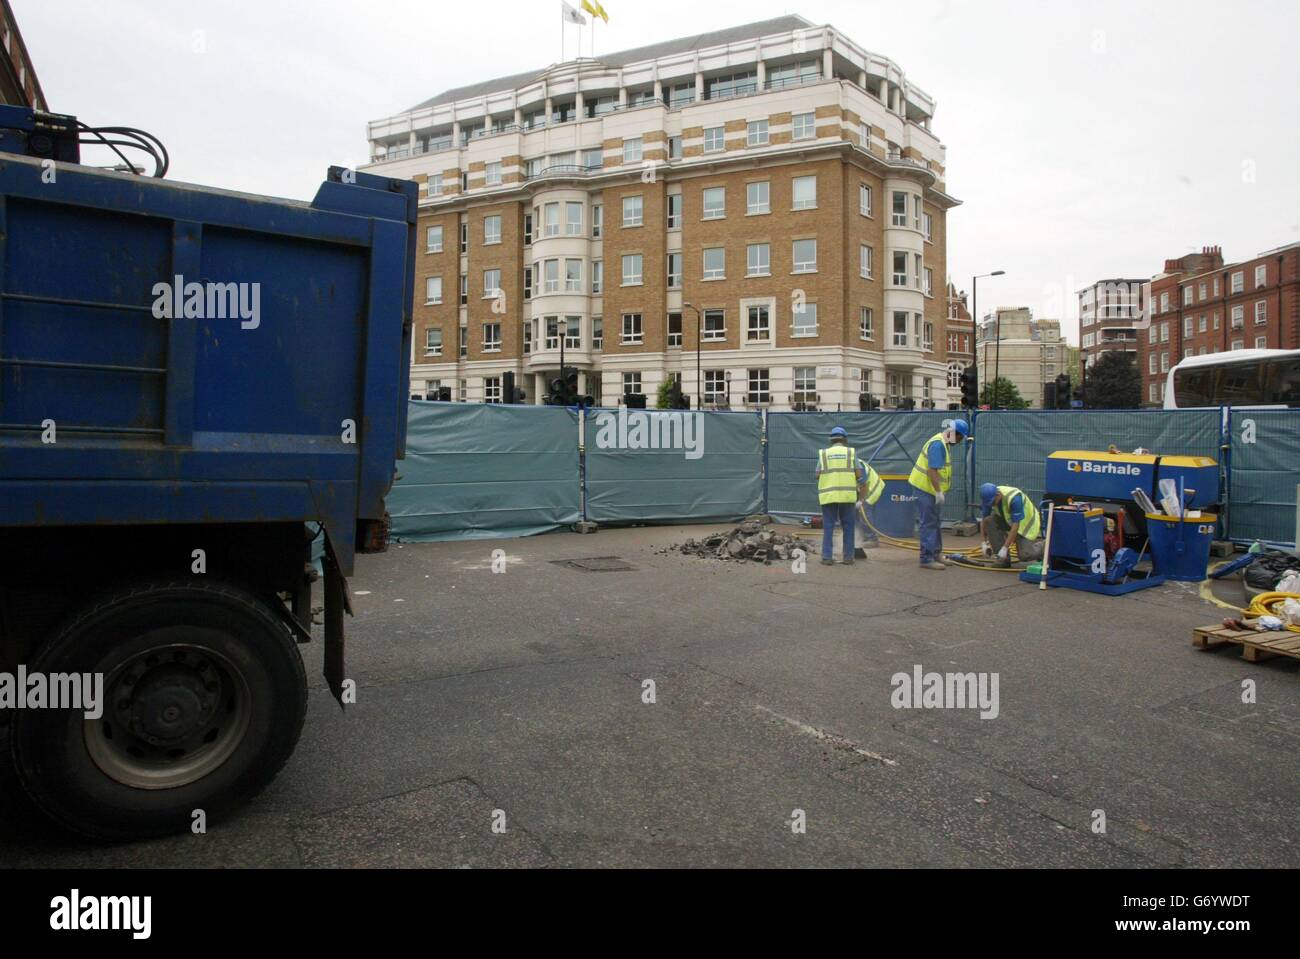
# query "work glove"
(986, 550)
(938, 497)
(1004, 552)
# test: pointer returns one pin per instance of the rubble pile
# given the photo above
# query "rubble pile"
(752, 541)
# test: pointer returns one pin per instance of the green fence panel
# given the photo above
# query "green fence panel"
(672, 466)
(1012, 446)
(1265, 473)
(793, 440)
(477, 471)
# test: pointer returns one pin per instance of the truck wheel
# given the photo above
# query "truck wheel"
(203, 700)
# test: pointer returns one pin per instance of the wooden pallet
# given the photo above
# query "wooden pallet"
(1254, 646)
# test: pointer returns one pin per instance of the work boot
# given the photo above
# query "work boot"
(828, 562)
(846, 562)
(934, 564)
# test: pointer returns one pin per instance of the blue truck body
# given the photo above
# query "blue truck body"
(200, 419)
(196, 387)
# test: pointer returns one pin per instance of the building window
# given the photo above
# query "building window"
(865, 199)
(715, 326)
(632, 151)
(900, 329)
(1238, 282)
(674, 329)
(803, 126)
(632, 331)
(528, 229)
(1261, 342)
(758, 197)
(760, 387)
(1238, 345)
(1151, 393)
(1238, 317)
(1187, 296)
(597, 333)
(715, 263)
(573, 332)
(633, 211)
(758, 259)
(1261, 312)
(900, 269)
(674, 148)
(432, 290)
(927, 337)
(759, 324)
(552, 276)
(954, 375)
(1164, 331)
(573, 219)
(597, 276)
(898, 214)
(572, 276)
(1187, 326)
(463, 341)
(631, 384)
(632, 269)
(433, 239)
(464, 236)
(528, 337)
(593, 159)
(492, 174)
(715, 386)
(805, 380)
(927, 226)
(674, 271)
(715, 139)
(916, 212)
(756, 133)
(1201, 326)
(1202, 291)
(715, 203)
(491, 283)
(805, 192)
(866, 262)
(864, 136)
(804, 254)
(491, 389)
(866, 323)
(528, 283)
(491, 337)
(464, 289)
(929, 281)
(804, 320)
(433, 342)
(674, 211)
(682, 94)
(1152, 359)
(597, 220)
(435, 184)
(1164, 361)
(1261, 276)
(551, 219)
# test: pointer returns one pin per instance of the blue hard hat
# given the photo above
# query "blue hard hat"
(839, 431)
(988, 493)
(962, 427)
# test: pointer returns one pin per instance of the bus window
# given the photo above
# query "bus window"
(1240, 384)
(1281, 382)
(1196, 387)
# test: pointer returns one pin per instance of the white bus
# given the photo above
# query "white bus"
(1235, 378)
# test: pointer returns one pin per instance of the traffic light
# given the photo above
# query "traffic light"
(1080, 398)
(970, 387)
(1063, 391)
(1049, 395)
(509, 392)
(564, 390)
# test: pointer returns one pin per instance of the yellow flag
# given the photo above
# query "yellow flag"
(595, 9)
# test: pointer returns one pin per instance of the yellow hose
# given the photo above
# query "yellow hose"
(1264, 605)
(970, 552)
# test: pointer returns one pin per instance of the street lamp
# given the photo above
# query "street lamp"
(727, 379)
(698, 379)
(563, 326)
(975, 313)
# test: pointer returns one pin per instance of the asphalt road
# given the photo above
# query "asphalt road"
(518, 697)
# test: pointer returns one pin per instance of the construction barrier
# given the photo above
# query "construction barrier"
(793, 440)
(1012, 447)
(1265, 447)
(672, 466)
(477, 471)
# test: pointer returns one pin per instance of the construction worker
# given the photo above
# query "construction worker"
(838, 480)
(869, 494)
(1009, 516)
(932, 477)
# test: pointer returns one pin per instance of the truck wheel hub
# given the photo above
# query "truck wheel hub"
(170, 705)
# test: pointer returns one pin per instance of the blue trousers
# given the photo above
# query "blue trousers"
(844, 514)
(931, 534)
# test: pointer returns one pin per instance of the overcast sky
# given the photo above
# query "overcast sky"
(1086, 140)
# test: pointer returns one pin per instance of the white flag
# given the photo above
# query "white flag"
(572, 15)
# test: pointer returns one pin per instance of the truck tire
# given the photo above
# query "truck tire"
(203, 700)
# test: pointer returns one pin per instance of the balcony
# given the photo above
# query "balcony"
(563, 170)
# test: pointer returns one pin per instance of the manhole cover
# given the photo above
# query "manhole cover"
(595, 564)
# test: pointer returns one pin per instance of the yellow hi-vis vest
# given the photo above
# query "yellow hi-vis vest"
(838, 482)
(1032, 524)
(875, 486)
(920, 478)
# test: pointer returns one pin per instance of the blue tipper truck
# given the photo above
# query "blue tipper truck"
(195, 384)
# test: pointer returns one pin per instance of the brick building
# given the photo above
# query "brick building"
(960, 336)
(1201, 305)
(18, 83)
(773, 184)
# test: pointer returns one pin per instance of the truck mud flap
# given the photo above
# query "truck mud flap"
(337, 602)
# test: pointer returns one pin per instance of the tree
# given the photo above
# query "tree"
(665, 398)
(1007, 393)
(1114, 383)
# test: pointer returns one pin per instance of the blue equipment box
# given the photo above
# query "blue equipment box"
(1112, 477)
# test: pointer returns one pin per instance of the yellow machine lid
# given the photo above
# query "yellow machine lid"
(1141, 459)
(1203, 518)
